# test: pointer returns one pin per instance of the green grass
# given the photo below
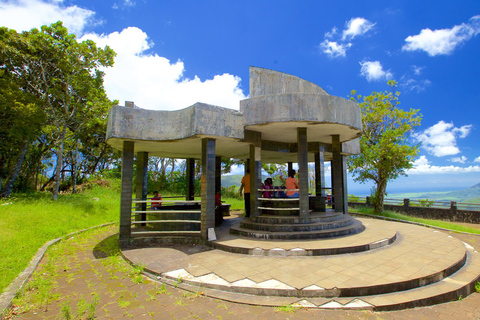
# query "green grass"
(28, 221)
(434, 223)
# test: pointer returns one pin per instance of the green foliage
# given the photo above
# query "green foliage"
(477, 287)
(425, 203)
(52, 96)
(386, 151)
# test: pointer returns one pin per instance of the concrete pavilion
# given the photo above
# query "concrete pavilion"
(285, 120)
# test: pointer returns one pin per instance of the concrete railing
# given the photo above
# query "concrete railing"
(428, 209)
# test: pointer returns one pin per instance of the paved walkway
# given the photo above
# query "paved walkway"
(86, 270)
(417, 253)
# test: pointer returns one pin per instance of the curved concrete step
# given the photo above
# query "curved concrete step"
(313, 218)
(301, 227)
(353, 228)
(458, 285)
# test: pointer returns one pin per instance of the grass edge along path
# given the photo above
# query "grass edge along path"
(7, 296)
(395, 216)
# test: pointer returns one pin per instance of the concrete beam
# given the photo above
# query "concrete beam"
(141, 183)
(190, 183)
(126, 194)
(208, 186)
(255, 173)
(303, 171)
(338, 181)
(320, 178)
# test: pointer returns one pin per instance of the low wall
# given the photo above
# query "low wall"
(448, 214)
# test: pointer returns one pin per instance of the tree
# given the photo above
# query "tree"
(386, 150)
(62, 73)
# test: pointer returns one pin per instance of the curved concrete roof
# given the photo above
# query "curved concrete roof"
(279, 104)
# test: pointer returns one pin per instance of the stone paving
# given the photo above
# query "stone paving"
(89, 272)
(418, 254)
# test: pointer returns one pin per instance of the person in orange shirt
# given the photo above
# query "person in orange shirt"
(246, 194)
(291, 183)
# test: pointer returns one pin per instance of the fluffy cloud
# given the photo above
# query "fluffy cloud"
(353, 28)
(373, 71)
(443, 41)
(356, 27)
(27, 14)
(334, 49)
(461, 159)
(477, 159)
(422, 166)
(151, 81)
(154, 82)
(441, 139)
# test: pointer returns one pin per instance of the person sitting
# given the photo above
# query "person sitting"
(267, 185)
(291, 183)
(156, 205)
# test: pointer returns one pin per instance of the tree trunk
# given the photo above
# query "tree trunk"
(16, 170)
(380, 195)
(74, 169)
(58, 173)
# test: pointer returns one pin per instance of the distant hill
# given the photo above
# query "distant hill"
(471, 195)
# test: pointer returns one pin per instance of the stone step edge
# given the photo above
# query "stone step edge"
(350, 303)
(278, 251)
(312, 226)
(297, 220)
(273, 287)
(353, 228)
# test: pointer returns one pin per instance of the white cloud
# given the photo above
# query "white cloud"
(477, 159)
(356, 27)
(24, 15)
(334, 49)
(443, 41)
(353, 28)
(124, 4)
(153, 82)
(441, 139)
(417, 70)
(461, 159)
(373, 71)
(415, 85)
(422, 166)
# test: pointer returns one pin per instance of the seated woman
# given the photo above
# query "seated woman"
(156, 205)
(291, 183)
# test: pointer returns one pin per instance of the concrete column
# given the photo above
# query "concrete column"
(126, 194)
(320, 178)
(255, 172)
(344, 185)
(289, 167)
(338, 183)
(190, 183)
(303, 171)
(141, 183)
(208, 186)
(218, 174)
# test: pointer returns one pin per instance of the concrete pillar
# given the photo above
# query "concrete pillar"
(208, 186)
(320, 178)
(255, 172)
(190, 183)
(218, 174)
(289, 167)
(126, 194)
(338, 181)
(344, 185)
(303, 171)
(141, 183)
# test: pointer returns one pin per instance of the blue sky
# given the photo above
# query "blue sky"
(172, 54)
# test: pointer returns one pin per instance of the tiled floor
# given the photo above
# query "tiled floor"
(418, 252)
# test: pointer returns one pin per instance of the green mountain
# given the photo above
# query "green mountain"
(471, 195)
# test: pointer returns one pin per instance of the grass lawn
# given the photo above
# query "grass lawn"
(28, 221)
(434, 223)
